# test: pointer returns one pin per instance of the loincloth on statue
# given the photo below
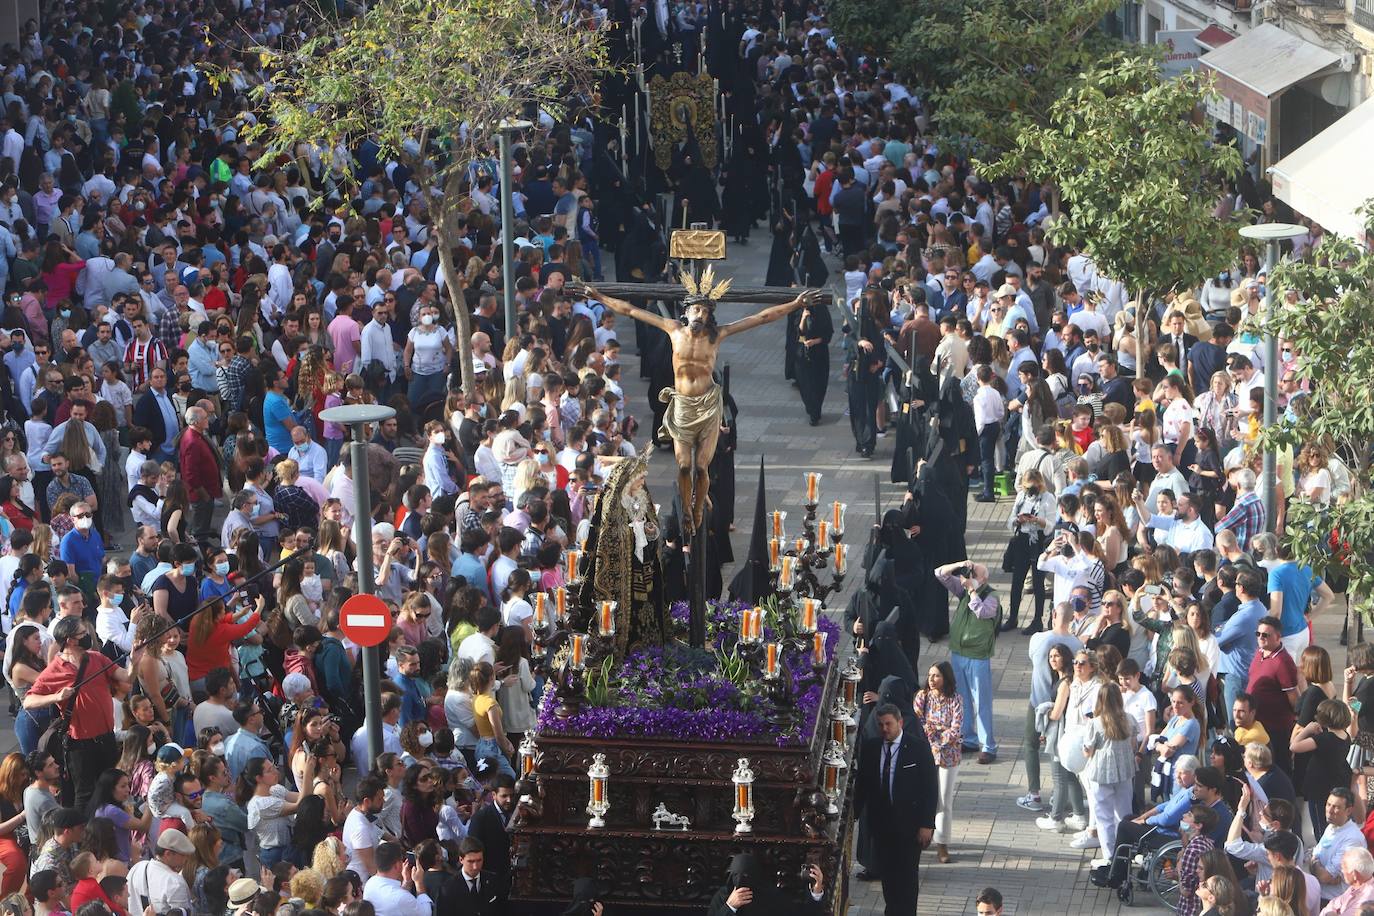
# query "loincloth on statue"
(690, 416)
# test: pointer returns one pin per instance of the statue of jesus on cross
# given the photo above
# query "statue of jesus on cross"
(694, 403)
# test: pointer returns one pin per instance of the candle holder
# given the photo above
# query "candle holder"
(605, 619)
(839, 721)
(850, 675)
(560, 607)
(529, 755)
(818, 660)
(777, 685)
(743, 778)
(543, 627)
(571, 680)
(598, 803)
(812, 490)
(832, 765)
(778, 519)
(837, 511)
(574, 559)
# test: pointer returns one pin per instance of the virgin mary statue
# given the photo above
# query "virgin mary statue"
(623, 564)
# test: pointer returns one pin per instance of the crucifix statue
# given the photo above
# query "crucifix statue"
(693, 417)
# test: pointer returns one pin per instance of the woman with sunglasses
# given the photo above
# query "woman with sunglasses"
(1069, 808)
(1078, 713)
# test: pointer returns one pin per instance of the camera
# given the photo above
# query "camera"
(965, 571)
(1154, 591)
(1067, 549)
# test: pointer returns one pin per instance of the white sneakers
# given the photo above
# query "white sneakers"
(1076, 822)
(1084, 840)
(1051, 823)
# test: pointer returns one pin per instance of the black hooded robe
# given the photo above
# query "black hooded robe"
(812, 364)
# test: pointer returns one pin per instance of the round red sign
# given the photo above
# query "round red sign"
(366, 620)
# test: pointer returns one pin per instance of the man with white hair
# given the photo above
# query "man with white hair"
(1357, 866)
(17, 466)
(1246, 518)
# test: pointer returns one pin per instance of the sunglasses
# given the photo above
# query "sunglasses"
(195, 795)
(1081, 662)
(1263, 634)
(81, 515)
(1114, 603)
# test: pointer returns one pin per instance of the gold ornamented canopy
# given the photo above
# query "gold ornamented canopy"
(679, 105)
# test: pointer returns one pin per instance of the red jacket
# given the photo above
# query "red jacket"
(88, 889)
(199, 469)
(202, 658)
(824, 180)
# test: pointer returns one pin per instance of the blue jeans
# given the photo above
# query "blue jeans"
(29, 726)
(425, 388)
(973, 679)
(1012, 427)
(487, 747)
(332, 447)
(987, 453)
(271, 855)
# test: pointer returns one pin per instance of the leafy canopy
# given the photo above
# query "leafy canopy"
(407, 70)
(989, 67)
(430, 82)
(1332, 331)
(1138, 175)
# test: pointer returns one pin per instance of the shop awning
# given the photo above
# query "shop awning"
(1262, 63)
(1213, 37)
(1328, 178)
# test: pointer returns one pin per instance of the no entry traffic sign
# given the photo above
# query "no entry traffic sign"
(366, 620)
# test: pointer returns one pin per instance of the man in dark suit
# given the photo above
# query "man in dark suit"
(1174, 333)
(155, 412)
(474, 891)
(897, 787)
(489, 827)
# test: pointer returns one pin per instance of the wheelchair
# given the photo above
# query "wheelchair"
(1154, 870)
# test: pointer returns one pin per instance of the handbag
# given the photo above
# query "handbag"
(1071, 754)
(53, 741)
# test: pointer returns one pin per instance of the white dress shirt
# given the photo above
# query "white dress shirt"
(987, 407)
(378, 344)
(153, 883)
(388, 898)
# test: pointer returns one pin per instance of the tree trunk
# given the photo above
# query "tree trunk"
(1142, 335)
(462, 321)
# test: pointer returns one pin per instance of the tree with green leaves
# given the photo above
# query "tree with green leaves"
(428, 81)
(1140, 178)
(989, 68)
(1329, 323)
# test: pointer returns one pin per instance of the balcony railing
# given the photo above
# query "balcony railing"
(1238, 5)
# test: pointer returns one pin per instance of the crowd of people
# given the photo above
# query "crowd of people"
(1177, 689)
(178, 313)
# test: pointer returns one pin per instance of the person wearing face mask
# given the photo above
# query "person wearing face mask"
(82, 547)
(1246, 843)
(428, 352)
(216, 711)
(175, 593)
(111, 623)
(438, 476)
(90, 732)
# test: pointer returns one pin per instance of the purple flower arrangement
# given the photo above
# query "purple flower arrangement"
(678, 693)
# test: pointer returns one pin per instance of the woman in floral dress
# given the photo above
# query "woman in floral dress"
(941, 711)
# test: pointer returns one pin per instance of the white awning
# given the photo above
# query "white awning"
(1267, 60)
(1328, 178)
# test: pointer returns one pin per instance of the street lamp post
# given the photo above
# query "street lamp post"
(508, 221)
(356, 417)
(1271, 234)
